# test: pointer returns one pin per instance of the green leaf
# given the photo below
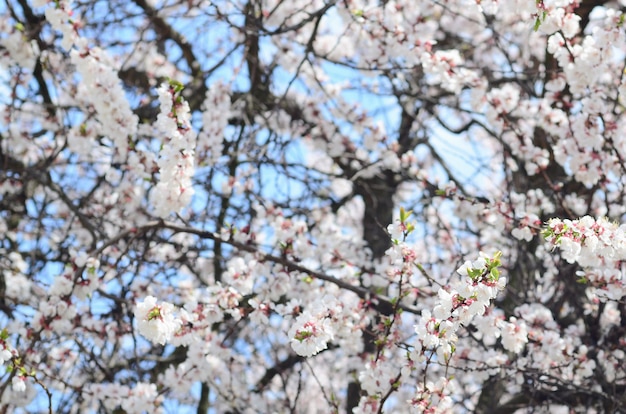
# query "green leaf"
(474, 273)
(404, 215)
(176, 85)
(495, 274)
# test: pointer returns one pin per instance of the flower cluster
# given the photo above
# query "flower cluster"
(217, 110)
(458, 305)
(587, 241)
(599, 246)
(23, 52)
(552, 19)
(142, 397)
(176, 157)
(100, 86)
(432, 397)
(61, 18)
(102, 89)
(314, 328)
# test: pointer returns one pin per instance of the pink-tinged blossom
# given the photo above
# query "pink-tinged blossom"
(397, 230)
(458, 305)
(61, 18)
(368, 405)
(180, 378)
(377, 377)
(432, 398)
(445, 67)
(102, 88)
(18, 383)
(142, 398)
(216, 111)
(557, 18)
(514, 335)
(22, 50)
(589, 242)
(309, 334)
(240, 274)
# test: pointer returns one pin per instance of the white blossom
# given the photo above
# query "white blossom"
(156, 322)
